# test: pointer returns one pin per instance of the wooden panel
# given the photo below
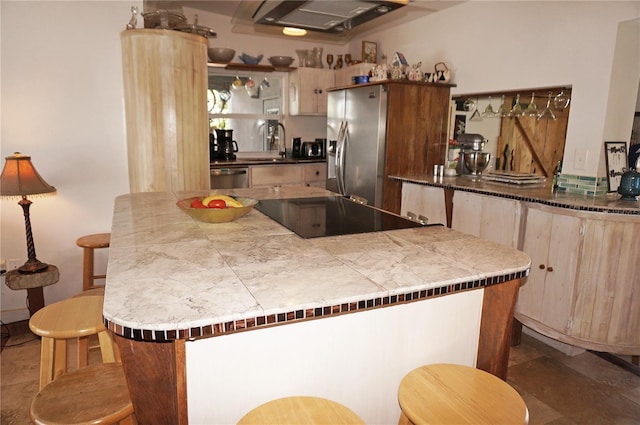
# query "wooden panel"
(156, 377)
(466, 212)
(165, 82)
(416, 134)
(315, 172)
(424, 200)
(534, 146)
(274, 175)
(495, 327)
(607, 306)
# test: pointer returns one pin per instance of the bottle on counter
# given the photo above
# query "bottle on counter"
(556, 175)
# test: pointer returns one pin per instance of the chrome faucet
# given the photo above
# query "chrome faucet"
(282, 141)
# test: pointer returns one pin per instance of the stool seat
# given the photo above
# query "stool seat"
(89, 243)
(95, 394)
(455, 394)
(300, 411)
(71, 318)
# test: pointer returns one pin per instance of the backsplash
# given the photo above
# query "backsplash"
(583, 185)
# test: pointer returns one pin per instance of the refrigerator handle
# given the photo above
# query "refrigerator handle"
(340, 147)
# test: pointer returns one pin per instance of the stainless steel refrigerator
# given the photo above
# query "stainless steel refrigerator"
(356, 138)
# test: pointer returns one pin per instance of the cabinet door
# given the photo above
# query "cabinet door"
(315, 174)
(553, 241)
(275, 175)
(487, 217)
(308, 91)
(424, 200)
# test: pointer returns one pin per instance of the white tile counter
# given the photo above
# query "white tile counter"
(172, 279)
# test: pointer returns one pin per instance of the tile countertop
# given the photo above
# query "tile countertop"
(171, 277)
(610, 203)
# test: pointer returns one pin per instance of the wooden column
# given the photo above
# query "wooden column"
(157, 380)
(495, 327)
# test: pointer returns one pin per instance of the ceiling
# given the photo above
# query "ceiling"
(241, 11)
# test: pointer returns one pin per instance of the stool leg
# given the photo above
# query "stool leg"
(46, 361)
(404, 420)
(83, 351)
(87, 269)
(59, 358)
(106, 347)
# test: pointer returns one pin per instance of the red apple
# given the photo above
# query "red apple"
(197, 203)
(217, 203)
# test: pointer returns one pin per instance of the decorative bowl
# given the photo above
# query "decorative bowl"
(216, 215)
(280, 61)
(221, 54)
(476, 162)
(250, 60)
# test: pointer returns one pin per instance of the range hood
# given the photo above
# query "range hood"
(327, 16)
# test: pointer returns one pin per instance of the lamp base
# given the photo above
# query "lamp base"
(33, 266)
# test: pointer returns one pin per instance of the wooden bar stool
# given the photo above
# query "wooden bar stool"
(95, 394)
(56, 323)
(90, 243)
(453, 394)
(300, 410)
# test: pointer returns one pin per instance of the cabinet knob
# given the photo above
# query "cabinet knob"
(317, 173)
(542, 267)
(549, 269)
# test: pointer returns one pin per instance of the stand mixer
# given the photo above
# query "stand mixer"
(472, 161)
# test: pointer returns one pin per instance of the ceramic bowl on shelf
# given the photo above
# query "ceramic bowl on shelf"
(250, 60)
(280, 61)
(216, 215)
(221, 54)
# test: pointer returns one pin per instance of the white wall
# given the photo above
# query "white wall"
(62, 103)
(495, 46)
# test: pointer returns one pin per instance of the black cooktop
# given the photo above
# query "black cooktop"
(330, 216)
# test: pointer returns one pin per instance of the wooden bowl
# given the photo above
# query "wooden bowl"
(216, 215)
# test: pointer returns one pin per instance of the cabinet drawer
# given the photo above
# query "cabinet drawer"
(274, 175)
(315, 172)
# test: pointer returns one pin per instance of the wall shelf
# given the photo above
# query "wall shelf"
(245, 67)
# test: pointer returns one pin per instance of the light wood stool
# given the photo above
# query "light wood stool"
(90, 243)
(95, 394)
(71, 318)
(454, 394)
(300, 411)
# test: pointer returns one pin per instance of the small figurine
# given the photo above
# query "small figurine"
(415, 73)
(134, 20)
(397, 72)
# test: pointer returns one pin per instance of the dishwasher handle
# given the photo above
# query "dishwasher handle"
(227, 171)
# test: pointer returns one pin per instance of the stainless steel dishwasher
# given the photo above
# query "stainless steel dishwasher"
(229, 178)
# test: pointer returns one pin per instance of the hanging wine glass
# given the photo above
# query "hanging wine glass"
(468, 105)
(489, 112)
(503, 110)
(561, 101)
(547, 113)
(532, 108)
(476, 113)
(516, 110)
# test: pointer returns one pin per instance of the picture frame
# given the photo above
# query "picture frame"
(616, 159)
(369, 52)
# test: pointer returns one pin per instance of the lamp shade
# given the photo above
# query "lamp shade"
(20, 178)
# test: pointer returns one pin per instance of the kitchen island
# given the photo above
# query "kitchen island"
(215, 319)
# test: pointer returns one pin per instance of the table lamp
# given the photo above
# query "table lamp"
(19, 178)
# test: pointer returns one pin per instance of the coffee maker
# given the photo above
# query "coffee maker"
(224, 145)
(472, 146)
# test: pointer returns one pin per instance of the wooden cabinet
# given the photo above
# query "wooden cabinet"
(583, 285)
(308, 90)
(314, 174)
(553, 242)
(417, 117)
(488, 217)
(425, 201)
(165, 78)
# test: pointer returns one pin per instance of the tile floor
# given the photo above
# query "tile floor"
(559, 390)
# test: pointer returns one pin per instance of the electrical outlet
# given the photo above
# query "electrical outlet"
(580, 159)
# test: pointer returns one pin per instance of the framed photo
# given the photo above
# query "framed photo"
(369, 52)
(616, 158)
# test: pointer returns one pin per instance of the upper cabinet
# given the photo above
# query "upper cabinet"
(165, 81)
(308, 90)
